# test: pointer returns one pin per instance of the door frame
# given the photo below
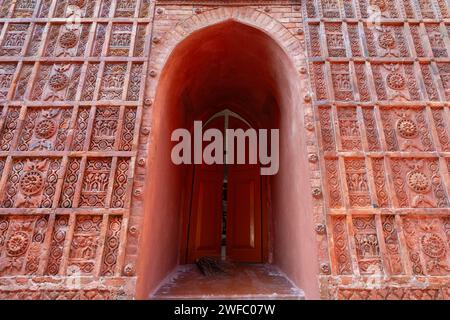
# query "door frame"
(187, 196)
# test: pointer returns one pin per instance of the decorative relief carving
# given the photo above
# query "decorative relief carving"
(334, 184)
(56, 252)
(406, 129)
(384, 8)
(99, 40)
(320, 85)
(70, 182)
(427, 245)
(437, 40)
(9, 128)
(74, 8)
(391, 293)
(367, 245)
(45, 129)
(23, 81)
(14, 39)
(391, 240)
(444, 73)
(67, 40)
(355, 39)
(361, 76)
(63, 294)
(144, 10)
(21, 238)
(441, 127)
(128, 131)
(95, 182)
(417, 39)
(426, 9)
(371, 129)
(24, 8)
(105, 8)
(327, 132)
(84, 245)
(349, 129)
(139, 45)
(335, 40)
(418, 183)
(112, 242)
(380, 182)
(7, 71)
(427, 75)
(134, 87)
(105, 129)
(125, 8)
(55, 82)
(46, 125)
(342, 82)
(90, 82)
(120, 41)
(386, 41)
(5, 7)
(395, 82)
(341, 248)
(330, 8)
(113, 81)
(44, 9)
(80, 131)
(31, 183)
(358, 186)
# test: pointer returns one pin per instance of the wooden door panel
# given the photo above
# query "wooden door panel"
(244, 214)
(205, 226)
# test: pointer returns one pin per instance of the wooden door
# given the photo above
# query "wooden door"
(206, 213)
(244, 236)
(243, 227)
(205, 224)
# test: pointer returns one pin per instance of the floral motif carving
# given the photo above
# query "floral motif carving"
(20, 238)
(406, 129)
(421, 176)
(31, 183)
(426, 245)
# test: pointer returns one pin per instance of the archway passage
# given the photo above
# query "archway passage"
(235, 66)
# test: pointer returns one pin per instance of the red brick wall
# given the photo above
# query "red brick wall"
(75, 130)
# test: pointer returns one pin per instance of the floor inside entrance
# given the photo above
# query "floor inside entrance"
(245, 281)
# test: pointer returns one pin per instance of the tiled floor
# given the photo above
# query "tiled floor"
(245, 281)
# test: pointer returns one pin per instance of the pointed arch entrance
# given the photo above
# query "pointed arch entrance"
(242, 67)
(225, 216)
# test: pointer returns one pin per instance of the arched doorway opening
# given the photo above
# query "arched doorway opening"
(225, 216)
(243, 68)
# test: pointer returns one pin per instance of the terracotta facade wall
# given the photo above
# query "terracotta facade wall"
(75, 130)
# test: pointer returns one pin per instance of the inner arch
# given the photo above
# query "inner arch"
(235, 66)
